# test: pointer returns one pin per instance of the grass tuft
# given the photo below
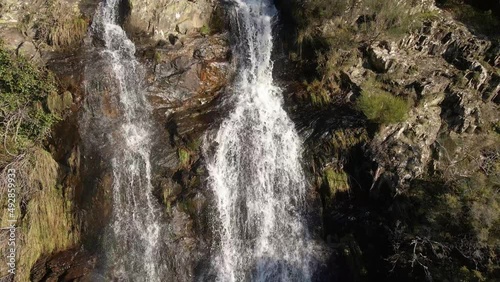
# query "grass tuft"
(380, 106)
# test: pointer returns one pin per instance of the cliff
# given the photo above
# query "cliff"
(396, 101)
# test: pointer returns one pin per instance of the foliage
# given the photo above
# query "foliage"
(440, 218)
(335, 30)
(313, 12)
(496, 127)
(24, 89)
(318, 94)
(380, 106)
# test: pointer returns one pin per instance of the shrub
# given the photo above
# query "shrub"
(382, 107)
(438, 220)
(23, 94)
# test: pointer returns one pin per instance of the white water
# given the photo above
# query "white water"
(132, 251)
(256, 172)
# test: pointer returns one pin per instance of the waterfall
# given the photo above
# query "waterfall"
(121, 113)
(255, 171)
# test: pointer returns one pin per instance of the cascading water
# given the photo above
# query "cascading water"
(255, 171)
(121, 113)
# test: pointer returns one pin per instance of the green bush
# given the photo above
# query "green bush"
(23, 94)
(382, 107)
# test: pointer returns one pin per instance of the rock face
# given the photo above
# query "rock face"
(161, 18)
(184, 83)
(187, 74)
(453, 78)
(70, 265)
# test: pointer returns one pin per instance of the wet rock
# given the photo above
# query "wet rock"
(189, 74)
(70, 265)
(170, 190)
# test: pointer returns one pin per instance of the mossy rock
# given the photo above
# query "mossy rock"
(57, 104)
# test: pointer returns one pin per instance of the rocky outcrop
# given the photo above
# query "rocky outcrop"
(159, 19)
(452, 78)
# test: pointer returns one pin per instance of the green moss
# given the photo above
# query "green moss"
(195, 144)
(157, 56)
(380, 106)
(205, 30)
(184, 157)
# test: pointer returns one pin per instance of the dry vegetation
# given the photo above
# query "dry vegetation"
(44, 216)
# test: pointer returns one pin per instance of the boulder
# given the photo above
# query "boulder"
(159, 18)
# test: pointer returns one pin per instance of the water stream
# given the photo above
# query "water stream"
(256, 172)
(122, 113)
